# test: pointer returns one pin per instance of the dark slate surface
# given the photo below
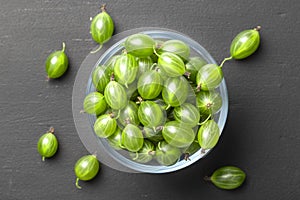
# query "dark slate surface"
(262, 131)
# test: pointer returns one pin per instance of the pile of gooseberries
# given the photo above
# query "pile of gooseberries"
(156, 101)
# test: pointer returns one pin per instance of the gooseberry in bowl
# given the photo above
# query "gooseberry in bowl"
(162, 102)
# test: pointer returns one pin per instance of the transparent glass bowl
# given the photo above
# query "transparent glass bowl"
(84, 122)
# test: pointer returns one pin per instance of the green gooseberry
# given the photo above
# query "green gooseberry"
(177, 47)
(175, 91)
(150, 84)
(171, 64)
(132, 138)
(227, 177)
(47, 144)
(151, 114)
(245, 43)
(57, 63)
(209, 77)
(94, 103)
(86, 168)
(145, 154)
(167, 154)
(125, 69)
(115, 140)
(178, 134)
(100, 78)
(115, 95)
(105, 125)
(208, 135)
(102, 27)
(187, 114)
(209, 102)
(129, 115)
(139, 45)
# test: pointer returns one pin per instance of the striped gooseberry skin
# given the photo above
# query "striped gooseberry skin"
(187, 114)
(144, 65)
(139, 45)
(178, 134)
(132, 138)
(175, 91)
(57, 63)
(177, 47)
(245, 43)
(145, 154)
(105, 126)
(209, 77)
(208, 135)
(150, 84)
(115, 95)
(100, 78)
(153, 136)
(228, 177)
(151, 114)
(129, 114)
(110, 64)
(47, 144)
(193, 66)
(115, 140)
(94, 103)
(208, 102)
(125, 69)
(171, 64)
(166, 154)
(86, 168)
(102, 27)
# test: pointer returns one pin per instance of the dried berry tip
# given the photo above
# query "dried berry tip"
(51, 130)
(103, 6)
(207, 178)
(257, 28)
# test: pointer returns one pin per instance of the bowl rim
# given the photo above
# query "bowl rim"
(83, 85)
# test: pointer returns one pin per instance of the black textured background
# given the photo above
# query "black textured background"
(262, 131)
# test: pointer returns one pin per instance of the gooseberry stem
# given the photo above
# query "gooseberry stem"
(63, 47)
(168, 107)
(98, 49)
(154, 65)
(225, 59)
(136, 156)
(43, 158)
(77, 183)
(205, 120)
(155, 52)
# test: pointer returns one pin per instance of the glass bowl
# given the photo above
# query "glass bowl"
(84, 122)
